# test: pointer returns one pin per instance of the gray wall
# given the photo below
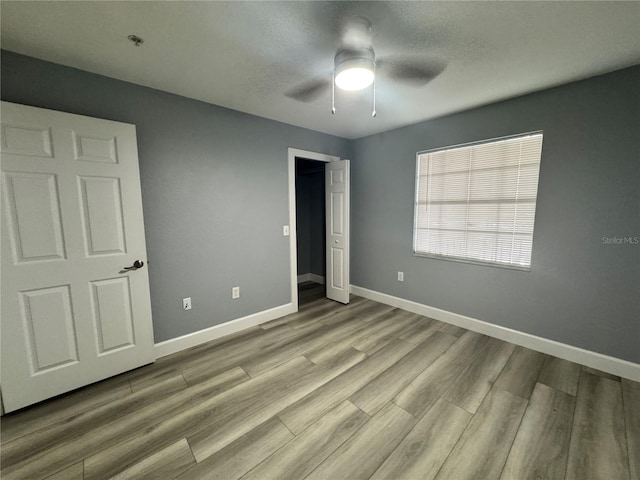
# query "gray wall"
(214, 189)
(579, 291)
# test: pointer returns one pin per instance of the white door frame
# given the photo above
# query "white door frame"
(293, 236)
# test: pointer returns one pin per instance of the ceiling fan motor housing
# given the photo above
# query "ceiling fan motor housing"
(347, 58)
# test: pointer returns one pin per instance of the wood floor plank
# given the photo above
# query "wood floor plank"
(145, 383)
(474, 382)
(337, 359)
(333, 314)
(166, 463)
(200, 354)
(234, 354)
(598, 448)
(255, 407)
(368, 326)
(379, 391)
(560, 374)
(311, 296)
(305, 312)
(386, 314)
(484, 446)
(595, 371)
(307, 410)
(260, 363)
(521, 372)
(424, 450)
(303, 454)
(231, 414)
(74, 472)
(240, 456)
(366, 312)
(541, 446)
(121, 429)
(214, 357)
(361, 455)
(41, 415)
(452, 330)
(420, 329)
(424, 390)
(84, 422)
(325, 311)
(385, 333)
(309, 292)
(631, 399)
(325, 352)
(363, 309)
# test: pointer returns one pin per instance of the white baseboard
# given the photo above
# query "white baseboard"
(311, 277)
(615, 366)
(173, 345)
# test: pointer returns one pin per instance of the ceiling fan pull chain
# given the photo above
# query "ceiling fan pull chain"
(333, 93)
(374, 113)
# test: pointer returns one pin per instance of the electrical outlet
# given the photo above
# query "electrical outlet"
(235, 292)
(186, 303)
(401, 276)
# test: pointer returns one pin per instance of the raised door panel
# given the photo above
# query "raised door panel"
(26, 140)
(337, 275)
(337, 213)
(111, 301)
(49, 328)
(101, 199)
(91, 148)
(33, 217)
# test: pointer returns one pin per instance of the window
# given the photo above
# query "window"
(477, 202)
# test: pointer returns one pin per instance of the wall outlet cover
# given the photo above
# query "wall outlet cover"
(235, 292)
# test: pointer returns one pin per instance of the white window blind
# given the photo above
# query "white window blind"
(478, 202)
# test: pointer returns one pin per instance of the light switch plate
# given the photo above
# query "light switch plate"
(285, 230)
(186, 303)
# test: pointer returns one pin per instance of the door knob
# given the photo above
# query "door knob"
(136, 265)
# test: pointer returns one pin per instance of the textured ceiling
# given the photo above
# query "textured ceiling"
(246, 55)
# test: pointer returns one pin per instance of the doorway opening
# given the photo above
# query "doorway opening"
(321, 159)
(310, 229)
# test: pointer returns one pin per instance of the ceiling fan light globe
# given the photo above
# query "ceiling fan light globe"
(352, 79)
(354, 71)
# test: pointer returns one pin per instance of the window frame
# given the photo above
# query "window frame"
(435, 256)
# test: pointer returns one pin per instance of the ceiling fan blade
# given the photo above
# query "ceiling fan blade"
(416, 72)
(310, 90)
(356, 33)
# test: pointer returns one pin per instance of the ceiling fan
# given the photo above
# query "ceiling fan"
(356, 67)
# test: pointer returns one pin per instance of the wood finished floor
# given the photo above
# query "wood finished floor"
(337, 392)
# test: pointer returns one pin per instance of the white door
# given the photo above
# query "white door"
(337, 241)
(71, 221)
